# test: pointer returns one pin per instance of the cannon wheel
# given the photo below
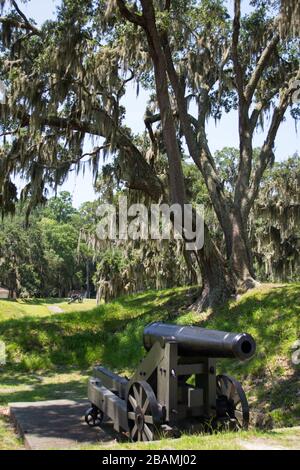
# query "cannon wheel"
(144, 414)
(231, 401)
(94, 417)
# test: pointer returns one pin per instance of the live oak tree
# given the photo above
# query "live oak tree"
(66, 81)
(250, 65)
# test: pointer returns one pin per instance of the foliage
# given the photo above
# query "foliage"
(42, 259)
(71, 74)
(275, 222)
(135, 267)
(60, 208)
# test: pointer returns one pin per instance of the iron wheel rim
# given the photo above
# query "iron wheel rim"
(94, 417)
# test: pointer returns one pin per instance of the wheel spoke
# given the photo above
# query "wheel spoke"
(225, 388)
(230, 390)
(238, 407)
(148, 433)
(141, 397)
(234, 394)
(132, 401)
(239, 416)
(136, 395)
(131, 415)
(236, 398)
(134, 431)
(146, 404)
(148, 419)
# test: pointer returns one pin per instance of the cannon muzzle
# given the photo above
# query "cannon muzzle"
(193, 340)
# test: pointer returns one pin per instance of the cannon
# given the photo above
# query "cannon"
(75, 297)
(175, 385)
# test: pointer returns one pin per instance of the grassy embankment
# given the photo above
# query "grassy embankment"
(50, 355)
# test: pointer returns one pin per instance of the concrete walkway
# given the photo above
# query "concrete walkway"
(55, 309)
(60, 424)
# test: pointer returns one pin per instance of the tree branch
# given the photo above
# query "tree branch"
(266, 154)
(17, 24)
(260, 67)
(20, 12)
(194, 122)
(134, 168)
(259, 108)
(129, 15)
(150, 119)
(197, 141)
(127, 80)
(235, 54)
(73, 161)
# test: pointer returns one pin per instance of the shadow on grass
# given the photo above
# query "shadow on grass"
(145, 299)
(17, 387)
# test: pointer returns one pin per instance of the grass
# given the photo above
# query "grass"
(8, 439)
(38, 308)
(286, 438)
(50, 355)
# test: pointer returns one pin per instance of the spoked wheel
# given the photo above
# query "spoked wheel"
(94, 417)
(232, 402)
(144, 413)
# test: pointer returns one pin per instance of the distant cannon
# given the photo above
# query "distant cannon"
(175, 385)
(75, 297)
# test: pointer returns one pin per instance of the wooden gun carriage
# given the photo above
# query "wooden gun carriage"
(176, 383)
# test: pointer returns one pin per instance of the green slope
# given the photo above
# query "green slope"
(72, 342)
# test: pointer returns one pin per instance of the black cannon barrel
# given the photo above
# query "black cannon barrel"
(193, 340)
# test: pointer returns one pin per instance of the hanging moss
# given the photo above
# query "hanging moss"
(275, 224)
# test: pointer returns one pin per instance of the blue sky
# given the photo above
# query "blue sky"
(222, 134)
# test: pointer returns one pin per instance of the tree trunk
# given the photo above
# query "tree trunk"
(88, 289)
(240, 259)
(176, 180)
(193, 273)
(218, 281)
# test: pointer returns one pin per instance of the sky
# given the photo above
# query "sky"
(221, 134)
